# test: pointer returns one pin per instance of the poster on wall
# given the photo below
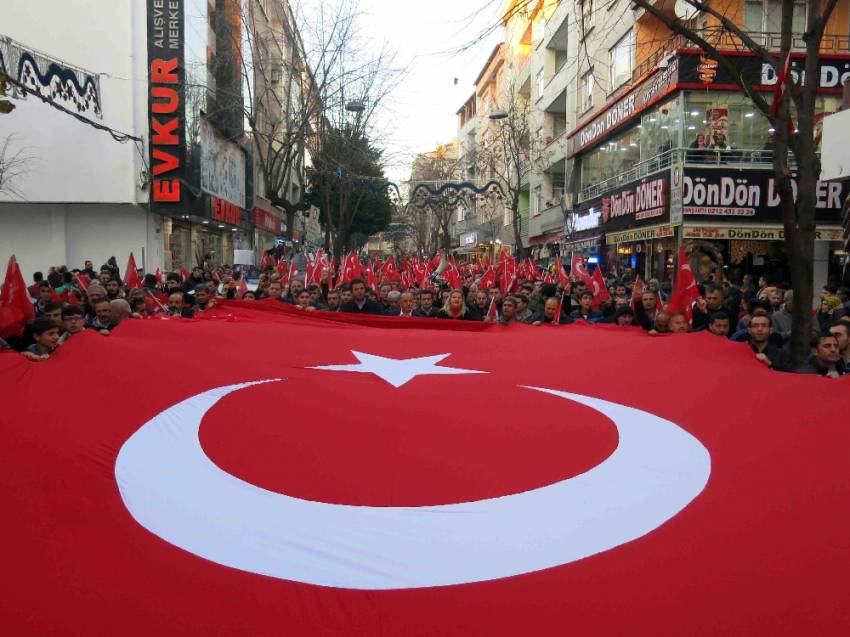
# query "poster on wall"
(222, 167)
(718, 125)
(166, 104)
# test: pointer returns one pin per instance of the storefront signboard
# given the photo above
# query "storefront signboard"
(751, 194)
(638, 203)
(642, 234)
(166, 104)
(222, 166)
(753, 233)
(225, 211)
(693, 70)
(677, 176)
(638, 99)
(266, 220)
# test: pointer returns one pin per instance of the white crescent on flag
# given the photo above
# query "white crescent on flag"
(172, 488)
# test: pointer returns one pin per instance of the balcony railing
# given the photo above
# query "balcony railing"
(732, 158)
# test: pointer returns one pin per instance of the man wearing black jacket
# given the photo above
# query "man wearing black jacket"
(426, 307)
(758, 338)
(359, 304)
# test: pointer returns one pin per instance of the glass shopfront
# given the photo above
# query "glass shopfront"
(731, 116)
(655, 132)
(719, 116)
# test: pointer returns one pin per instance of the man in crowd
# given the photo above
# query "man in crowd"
(824, 358)
(624, 316)
(713, 303)
(509, 307)
(585, 310)
(113, 289)
(392, 303)
(333, 301)
(405, 304)
(718, 324)
(426, 307)
(781, 317)
(550, 307)
(359, 304)
(177, 305)
(841, 331)
(203, 302)
(678, 323)
(758, 337)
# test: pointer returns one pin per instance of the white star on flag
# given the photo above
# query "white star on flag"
(397, 371)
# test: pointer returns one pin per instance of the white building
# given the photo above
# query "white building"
(82, 194)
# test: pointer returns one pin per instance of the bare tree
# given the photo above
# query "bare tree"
(505, 154)
(793, 120)
(14, 163)
(434, 191)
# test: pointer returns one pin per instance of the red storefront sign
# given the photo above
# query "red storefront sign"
(225, 211)
(266, 220)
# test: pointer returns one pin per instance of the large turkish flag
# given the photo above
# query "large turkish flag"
(269, 474)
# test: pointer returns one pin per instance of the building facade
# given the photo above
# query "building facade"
(619, 104)
(158, 161)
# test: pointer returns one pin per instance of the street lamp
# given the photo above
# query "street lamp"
(355, 106)
(498, 114)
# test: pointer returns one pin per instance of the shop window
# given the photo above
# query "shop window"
(621, 60)
(613, 158)
(588, 83)
(765, 16)
(660, 129)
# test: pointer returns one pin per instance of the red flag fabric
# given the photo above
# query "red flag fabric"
(158, 276)
(637, 291)
(16, 306)
(243, 287)
(131, 274)
(184, 273)
(488, 279)
(781, 81)
(492, 311)
(599, 288)
(198, 508)
(563, 277)
(685, 290)
(267, 262)
(83, 282)
(579, 272)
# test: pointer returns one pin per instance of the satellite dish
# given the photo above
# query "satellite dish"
(684, 10)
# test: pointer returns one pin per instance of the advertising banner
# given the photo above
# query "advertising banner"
(222, 167)
(166, 104)
(637, 204)
(710, 193)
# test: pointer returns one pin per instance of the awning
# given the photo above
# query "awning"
(546, 238)
(640, 234)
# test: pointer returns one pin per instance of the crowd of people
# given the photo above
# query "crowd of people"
(757, 314)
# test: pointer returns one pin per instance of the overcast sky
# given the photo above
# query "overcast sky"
(422, 113)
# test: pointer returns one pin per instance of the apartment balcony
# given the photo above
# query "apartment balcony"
(552, 218)
(557, 27)
(554, 98)
(554, 151)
